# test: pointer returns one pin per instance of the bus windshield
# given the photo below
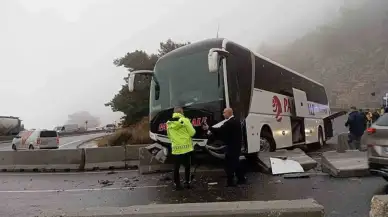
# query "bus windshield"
(184, 80)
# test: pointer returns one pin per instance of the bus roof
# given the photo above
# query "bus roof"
(194, 47)
(221, 42)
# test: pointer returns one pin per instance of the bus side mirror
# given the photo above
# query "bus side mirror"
(131, 82)
(214, 58)
(132, 75)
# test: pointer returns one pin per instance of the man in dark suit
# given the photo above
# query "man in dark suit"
(230, 134)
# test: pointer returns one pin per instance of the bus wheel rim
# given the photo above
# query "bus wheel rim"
(264, 145)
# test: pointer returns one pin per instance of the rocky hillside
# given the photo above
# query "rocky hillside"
(349, 55)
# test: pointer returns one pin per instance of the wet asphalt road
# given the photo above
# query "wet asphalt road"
(70, 142)
(25, 194)
(28, 194)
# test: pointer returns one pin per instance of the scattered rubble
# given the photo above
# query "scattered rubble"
(105, 183)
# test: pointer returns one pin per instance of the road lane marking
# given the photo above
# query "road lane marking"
(69, 143)
(84, 189)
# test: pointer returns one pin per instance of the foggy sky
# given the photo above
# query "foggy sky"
(56, 55)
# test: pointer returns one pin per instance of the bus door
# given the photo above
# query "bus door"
(328, 124)
(300, 102)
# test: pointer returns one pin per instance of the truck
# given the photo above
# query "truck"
(278, 107)
(9, 125)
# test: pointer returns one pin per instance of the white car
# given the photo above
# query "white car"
(36, 139)
(110, 128)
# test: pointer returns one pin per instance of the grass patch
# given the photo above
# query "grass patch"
(133, 135)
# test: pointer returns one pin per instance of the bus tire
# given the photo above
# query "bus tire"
(31, 147)
(14, 147)
(321, 140)
(267, 136)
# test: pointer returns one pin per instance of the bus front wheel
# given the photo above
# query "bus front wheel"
(267, 142)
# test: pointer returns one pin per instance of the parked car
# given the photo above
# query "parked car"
(36, 139)
(376, 140)
(110, 128)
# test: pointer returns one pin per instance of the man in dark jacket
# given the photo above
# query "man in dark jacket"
(356, 123)
(231, 135)
(375, 116)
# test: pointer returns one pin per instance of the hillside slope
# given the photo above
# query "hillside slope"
(349, 56)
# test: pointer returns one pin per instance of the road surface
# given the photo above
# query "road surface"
(28, 194)
(24, 194)
(70, 142)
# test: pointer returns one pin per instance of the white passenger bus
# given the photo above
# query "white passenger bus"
(278, 107)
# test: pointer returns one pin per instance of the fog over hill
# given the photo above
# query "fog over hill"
(349, 55)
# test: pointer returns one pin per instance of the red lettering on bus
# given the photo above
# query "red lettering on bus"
(196, 122)
(285, 102)
(277, 108)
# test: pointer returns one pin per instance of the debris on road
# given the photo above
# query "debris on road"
(284, 161)
(105, 183)
(282, 165)
(296, 175)
(111, 172)
(165, 178)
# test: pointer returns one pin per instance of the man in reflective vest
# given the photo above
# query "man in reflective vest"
(180, 131)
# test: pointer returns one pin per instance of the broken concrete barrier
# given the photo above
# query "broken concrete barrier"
(132, 154)
(151, 160)
(105, 158)
(379, 206)
(351, 163)
(339, 143)
(297, 155)
(42, 160)
(281, 208)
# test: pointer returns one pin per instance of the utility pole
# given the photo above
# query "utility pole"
(218, 29)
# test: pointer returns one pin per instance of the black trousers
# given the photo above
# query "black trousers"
(233, 168)
(185, 160)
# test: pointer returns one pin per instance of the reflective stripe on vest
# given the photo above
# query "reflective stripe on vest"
(181, 148)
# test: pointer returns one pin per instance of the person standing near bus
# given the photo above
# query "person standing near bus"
(357, 125)
(375, 116)
(180, 132)
(230, 134)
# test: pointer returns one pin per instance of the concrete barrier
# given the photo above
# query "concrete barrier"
(364, 146)
(149, 164)
(281, 208)
(132, 154)
(6, 138)
(297, 155)
(351, 163)
(80, 133)
(42, 160)
(339, 143)
(105, 158)
(379, 206)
